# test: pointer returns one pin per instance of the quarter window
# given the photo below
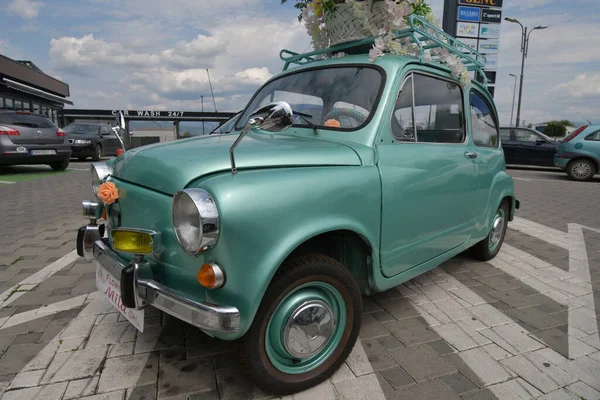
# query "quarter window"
(429, 110)
(594, 136)
(483, 122)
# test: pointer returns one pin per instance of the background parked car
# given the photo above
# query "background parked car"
(524, 146)
(579, 153)
(92, 139)
(27, 138)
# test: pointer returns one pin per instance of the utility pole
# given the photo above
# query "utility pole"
(512, 110)
(524, 50)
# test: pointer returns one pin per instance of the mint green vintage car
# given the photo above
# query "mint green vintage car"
(272, 234)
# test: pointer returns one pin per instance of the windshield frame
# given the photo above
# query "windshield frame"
(233, 119)
(372, 113)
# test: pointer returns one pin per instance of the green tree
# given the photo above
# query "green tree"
(556, 128)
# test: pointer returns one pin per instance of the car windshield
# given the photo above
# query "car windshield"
(28, 120)
(339, 98)
(83, 129)
(227, 126)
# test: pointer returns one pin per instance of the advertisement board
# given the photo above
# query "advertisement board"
(483, 3)
(491, 16)
(471, 14)
(491, 46)
(489, 31)
(467, 29)
(472, 43)
(492, 63)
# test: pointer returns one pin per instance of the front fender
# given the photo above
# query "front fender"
(266, 214)
(502, 186)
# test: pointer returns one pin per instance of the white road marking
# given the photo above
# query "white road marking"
(43, 311)
(7, 182)
(30, 282)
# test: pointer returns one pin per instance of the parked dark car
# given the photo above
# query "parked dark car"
(27, 138)
(523, 146)
(92, 139)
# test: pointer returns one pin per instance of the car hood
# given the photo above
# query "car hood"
(169, 167)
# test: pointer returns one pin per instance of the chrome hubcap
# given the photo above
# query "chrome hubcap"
(581, 170)
(308, 329)
(497, 229)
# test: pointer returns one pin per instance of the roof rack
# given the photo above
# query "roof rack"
(425, 35)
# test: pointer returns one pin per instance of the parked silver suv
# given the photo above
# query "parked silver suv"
(27, 138)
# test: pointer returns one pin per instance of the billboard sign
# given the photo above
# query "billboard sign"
(471, 14)
(491, 16)
(489, 31)
(488, 46)
(467, 29)
(482, 3)
(472, 43)
(491, 64)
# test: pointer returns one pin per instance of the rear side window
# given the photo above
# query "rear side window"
(505, 134)
(483, 122)
(27, 120)
(429, 110)
(83, 129)
(594, 136)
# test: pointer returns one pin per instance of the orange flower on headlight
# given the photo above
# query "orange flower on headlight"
(334, 123)
(108, 193)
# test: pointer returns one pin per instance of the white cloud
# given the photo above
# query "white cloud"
(583, 85)
(25, 8)
(3, 45)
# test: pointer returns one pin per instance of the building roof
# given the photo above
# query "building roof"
(27, 73)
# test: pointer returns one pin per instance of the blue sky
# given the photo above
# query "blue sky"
(153, 54)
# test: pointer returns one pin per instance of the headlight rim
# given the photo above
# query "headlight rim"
(101, 170)
(208, 213)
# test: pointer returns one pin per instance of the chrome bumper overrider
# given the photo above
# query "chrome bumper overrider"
(205, 316)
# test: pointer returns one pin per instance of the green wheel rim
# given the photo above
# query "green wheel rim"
(495, 236)
(275, 347)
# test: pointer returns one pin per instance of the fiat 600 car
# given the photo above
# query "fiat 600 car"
(270, 235)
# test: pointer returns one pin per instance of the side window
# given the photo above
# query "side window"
(429, 110)
(104, 130)
(594, 136)
(525, 136)
(505, 134)
(483, 122)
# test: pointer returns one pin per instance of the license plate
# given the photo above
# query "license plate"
(42, 152)
(110, 287)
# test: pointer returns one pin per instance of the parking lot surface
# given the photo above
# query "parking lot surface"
(524, 325)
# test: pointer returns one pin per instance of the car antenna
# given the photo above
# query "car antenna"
(588, 121)
(213, 97)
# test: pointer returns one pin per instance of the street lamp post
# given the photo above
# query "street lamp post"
(512, 110)
(524, 49)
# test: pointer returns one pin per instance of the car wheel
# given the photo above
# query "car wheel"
(60, 166)
(581, 170)
(305, 327)
(97, 153)
(490, 246)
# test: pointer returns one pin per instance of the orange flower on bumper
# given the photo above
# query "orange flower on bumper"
(108, 193)
(334, 123)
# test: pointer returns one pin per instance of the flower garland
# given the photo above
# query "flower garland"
(315, 14)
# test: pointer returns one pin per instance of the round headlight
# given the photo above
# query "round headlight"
(99, 173)
(195, 220)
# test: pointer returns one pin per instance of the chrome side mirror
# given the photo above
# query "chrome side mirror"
(120, 120)
(274, 117)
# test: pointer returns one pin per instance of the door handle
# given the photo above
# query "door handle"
(471, 155)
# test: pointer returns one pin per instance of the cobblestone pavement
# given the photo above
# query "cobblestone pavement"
(524, 325)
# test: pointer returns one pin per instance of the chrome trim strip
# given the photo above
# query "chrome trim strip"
(90, 236)
(208, 317)
(90, 209)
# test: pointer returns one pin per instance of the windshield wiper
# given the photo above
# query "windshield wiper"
(303, 117)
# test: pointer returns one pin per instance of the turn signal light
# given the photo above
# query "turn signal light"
(132, 241)
(211, 276)
(60, 132)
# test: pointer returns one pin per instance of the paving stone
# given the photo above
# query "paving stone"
(128, 371)
(17, 357)
(369, 305)
(559, 394)
(422, 362)
(371, 328)
(534, 317)
(154, 339)
(31, 298)
(37, 325)
(432, 390)
(54, 328)
(382, 316)
(179, 376)
(118, 395)
(459, 383)
(497, 352)
(342, 374)
(78, 327)
(372, 386)
(43, 358)
(411, 331)
(528, 371)
(441, 347)
(512, 338)
(369, 356)
(489, 315)
(324, 390)
(26, 379)
(455, 336)
(585, 369)
(514, 389)
(479, 367)
(397, 377)
(146, 392)
(389, 342)
(558, 375)
(81, 387)
(583, 391)
(48, 392)
(564, 344)
(25, 338)
(74, 365)
(120, 349)
(399, 308)
(102, 335)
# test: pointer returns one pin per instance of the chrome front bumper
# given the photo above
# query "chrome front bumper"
(208, 317)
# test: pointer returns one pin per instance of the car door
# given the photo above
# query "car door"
(592, 144)
(428, 178)
(109, 141)
(484, 130)
(509, 145)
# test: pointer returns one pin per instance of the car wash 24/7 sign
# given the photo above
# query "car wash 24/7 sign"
(477, 24)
